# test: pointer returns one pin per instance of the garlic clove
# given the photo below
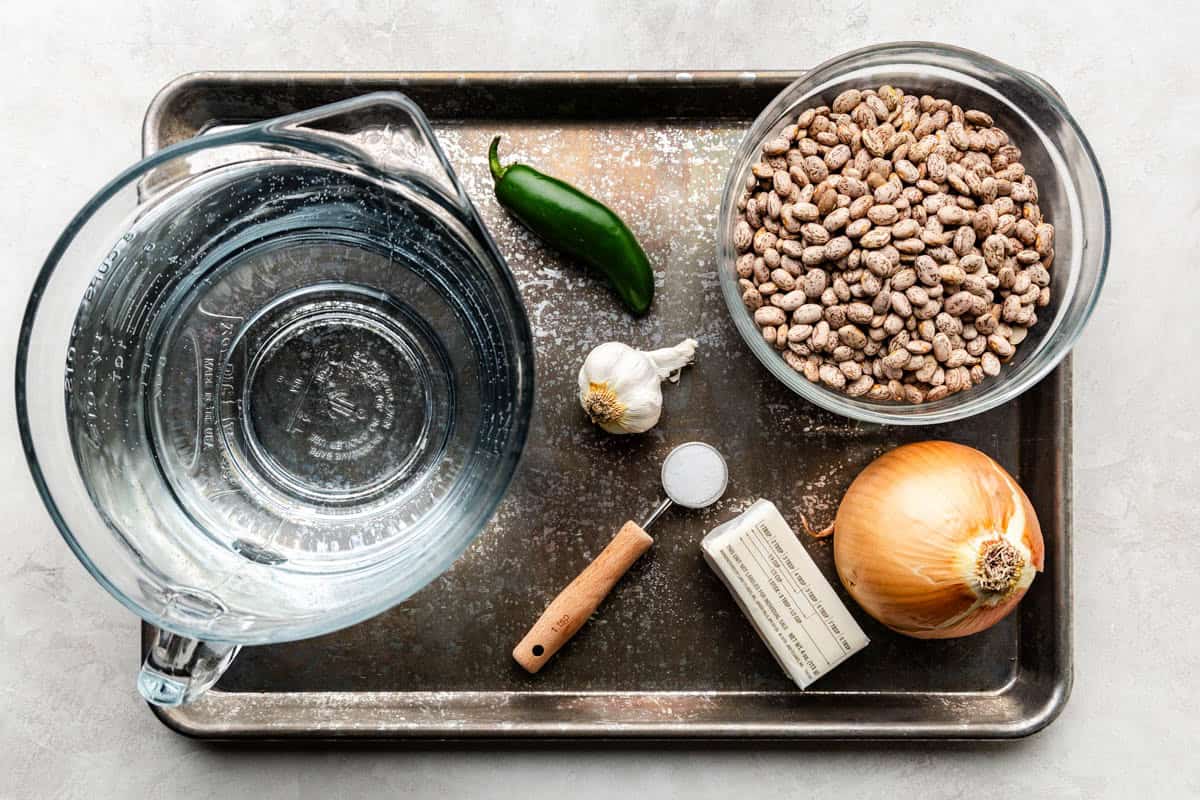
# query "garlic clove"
(620, 387)
(643, 408)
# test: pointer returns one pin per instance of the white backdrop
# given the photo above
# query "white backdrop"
(75, 79)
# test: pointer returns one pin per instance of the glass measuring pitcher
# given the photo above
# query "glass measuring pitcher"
(274, 380)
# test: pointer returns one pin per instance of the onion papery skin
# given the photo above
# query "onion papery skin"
(910, 530)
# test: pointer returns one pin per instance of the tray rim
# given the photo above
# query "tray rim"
(1050, 698)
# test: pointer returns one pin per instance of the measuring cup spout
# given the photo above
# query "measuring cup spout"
(400, 143)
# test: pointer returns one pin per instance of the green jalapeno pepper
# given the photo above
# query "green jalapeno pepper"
(578, 225)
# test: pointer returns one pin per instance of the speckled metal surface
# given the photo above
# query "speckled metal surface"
(668, 655)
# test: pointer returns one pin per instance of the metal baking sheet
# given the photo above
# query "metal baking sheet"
(668, 656)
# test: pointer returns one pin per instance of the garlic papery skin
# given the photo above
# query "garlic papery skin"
(620, 388)
(935, 540)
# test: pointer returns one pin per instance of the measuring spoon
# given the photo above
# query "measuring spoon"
(694, 475)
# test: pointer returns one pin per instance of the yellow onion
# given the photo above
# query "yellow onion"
(935, 540)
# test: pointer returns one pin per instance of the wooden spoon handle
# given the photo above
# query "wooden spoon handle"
(566, 613)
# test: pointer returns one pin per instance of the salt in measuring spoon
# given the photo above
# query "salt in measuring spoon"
(694, 475)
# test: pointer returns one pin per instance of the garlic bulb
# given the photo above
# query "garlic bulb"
(619, 387)
(935, 540)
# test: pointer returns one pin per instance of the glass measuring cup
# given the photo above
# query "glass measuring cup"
(282, 393)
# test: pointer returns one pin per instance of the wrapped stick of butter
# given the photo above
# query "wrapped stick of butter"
(783, 593)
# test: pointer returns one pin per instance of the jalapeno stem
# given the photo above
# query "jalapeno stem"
(494, 160)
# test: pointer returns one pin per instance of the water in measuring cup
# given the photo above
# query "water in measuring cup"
(281, 358)
(313, 405)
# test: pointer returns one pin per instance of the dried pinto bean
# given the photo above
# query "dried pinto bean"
(892, 246)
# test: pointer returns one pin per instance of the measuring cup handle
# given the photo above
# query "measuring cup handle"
(566, 613)
(177, 669)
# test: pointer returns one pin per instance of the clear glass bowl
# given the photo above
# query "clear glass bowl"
(1072, 193)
